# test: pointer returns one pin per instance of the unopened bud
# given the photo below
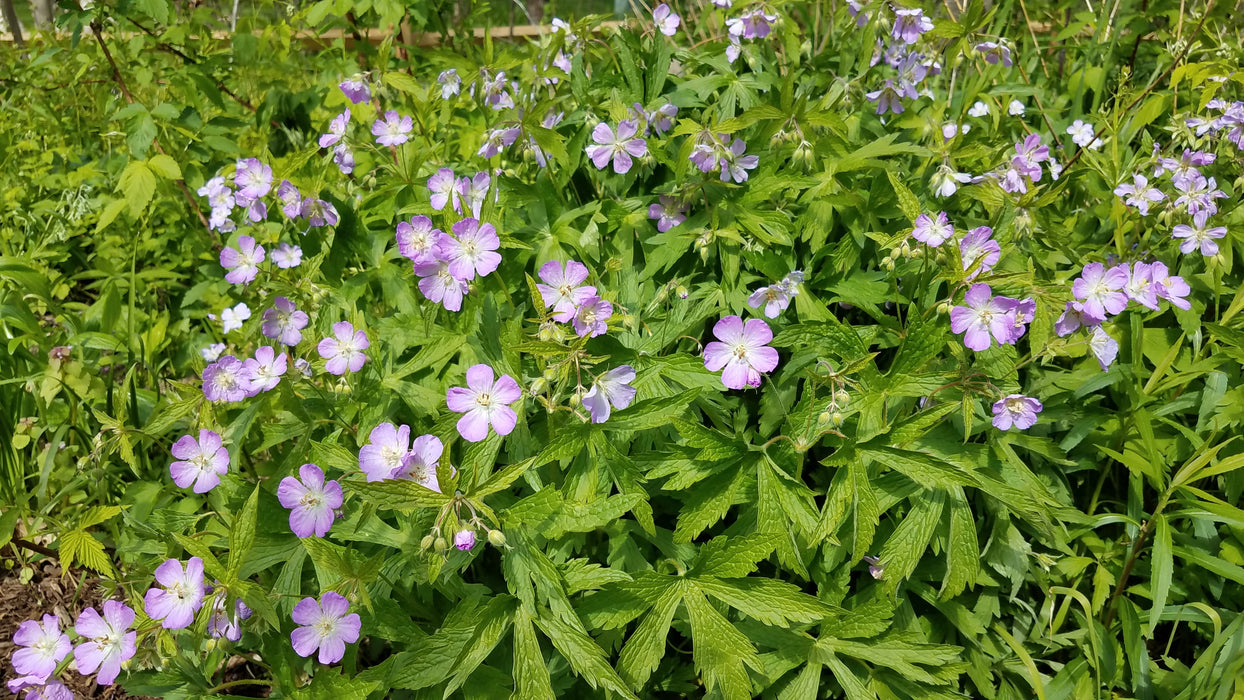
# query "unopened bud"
(496, 538)
(681, 291)
(841, 397)
(836, 418)
(823, 419)
(943, 308)
(441, 546)
(427, 542)
(538, 386)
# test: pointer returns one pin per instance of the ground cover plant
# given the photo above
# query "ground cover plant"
(787, 350)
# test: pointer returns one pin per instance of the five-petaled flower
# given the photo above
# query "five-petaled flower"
(326, 625)
(43, 646)
(933, 230)
(484, 402)
(592, 317)
(242, 262)
(1139, 194)
(619, 148)
(1015, 410)
(385, 452)
(313, 502)
(742, 350)
(472, 250)
(344, 351)
(1198, 236)
(393, 130)
(985, 318)
(611, 390)
(181, 596)
(284, 322)
(107, 640)
(665, 20)
(199, 462)
(561, 291)
(1101, 290)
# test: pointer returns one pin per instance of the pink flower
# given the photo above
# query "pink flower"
(933, 231)
(385, 452)
(483, 403)
(1015, 410)
(291, 199)
(312, 501)
(619, 148)
(420, 463)
(591, 318)
(442, 188)
(742, 350)
(668, 212)
(266, 368)
(438, 285)
(1140, 287)
(326, 626)
(242, 262)
(393, 130)
(471, 250)
(345, 351)
(665, 20)
(985, 318)
(355, 89)
(472, 191)
(106, 641)
(418, 240)
(226, 380)
(42, 647)
(464, 540)
(39, 688)
(336, 129)
(977, 245)
(287, 256)
(1198, 236)
(611, 390)
(253, 179)
(284, 322)
(561, 291)
(1172, 288)
(181, 597)
(227, 626)
(1101, 290)
(1073, 318)
(200, 462)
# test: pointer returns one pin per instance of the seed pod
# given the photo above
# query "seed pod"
(441, 546)
(841, 397)
(823, 419)
(496, 538)
(836, 418)
(427, 542)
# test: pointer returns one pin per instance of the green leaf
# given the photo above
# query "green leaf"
(963, 551)
(403, 83)
(653, 413)
(731, 557)
(331, 684)
(585, 656)
(400, 494)
(81, 547)
(242, 535)
(721, 653)
(531, 673)
(493, 622)
(907, 201)
(645, 648)
(164, 166)
(903, 550)
(766, 600)
(1162, 567)
(138, 184)
(155, 9)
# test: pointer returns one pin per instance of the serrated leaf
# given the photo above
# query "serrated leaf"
(907, 201)
(164, 166)
(721, 653)
(138, 184)
(903, 550)
(766, 600)
(402, 82)
(732, 557)
(81, 547)
(585, 656)
(531, 673)
(963, 551)
(645, 648)
(398, 494)
(242, 535)
(652, 413)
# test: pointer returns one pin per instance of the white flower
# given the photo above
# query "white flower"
(233, 318)
(1015, 109)
(978, 109)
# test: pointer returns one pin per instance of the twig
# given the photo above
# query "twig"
(18, 542)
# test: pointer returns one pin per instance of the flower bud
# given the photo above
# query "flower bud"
(836, 418)
(841, 397)
(823, 419)
(464, 540)
(943, 308)
(538, 386)
(496, 538)
(441, 546)
(427, 542)
(681, 291)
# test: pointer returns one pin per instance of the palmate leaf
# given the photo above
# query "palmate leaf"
(766, 600)
(584, 655)
(903, 550)
(645, 648)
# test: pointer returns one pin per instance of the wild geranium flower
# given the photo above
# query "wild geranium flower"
(181, 597)
(284, 322)
(266, 368)
(495, 93)
(978, 109)
(1103, 347)
(994, 53)
(319, 212)
(561, 290)
(662, 120)
(226, 380)
(420, 463)
(1016, 410)
(985, 318)
(199, 462)
(39, 688)
(497, 140)
(343, 157)
(287, 256)
(344, 351)
(890, 97)
(909, 25)
(1183, 170)
(753, 24)
(1197, 194)
(290, 198)
(439, 285)
(312, 501)
(386, 450)
(303, 366)
(734, 165)
(472, 249)
(484, 402)
(471, 193)
(591, 318)
(933, 231)
(253, 178)
(978, 245)
(619, 148)
(742, 350)
(775, 298)
(1139, 194)
(668, 212)
(1073, 318)
(326, 625)
(336, 130)
(227, 626)
(232, 317)
(418, 240)
(665, 20)
(1172, 288)
(464, 540)
(355, 89)
(611, 390)
(212, 352)
(1101, 290)
(442, 186)
(393, 130)
(43, 646)
(1082, 135)
(107, 640)
(1015, 108)
(946, 181)
(450, 83)
(1140, 287)
(243, 261)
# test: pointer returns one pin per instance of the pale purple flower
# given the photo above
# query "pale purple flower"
(889, 98)
(561, 290)
(1103, 347)
(978, 245)
(611, 390)
(355, 89)
(854, 8)
(336, 129)
(1140, 287)
(418, 240)
(226, 380)
(39, 688)
(753, 24)
(495, 93)
(326, 626)
(284, 322)
(985, 318)
(775, 298)
(933, 231)
(668, 212)
(1073, 318)
(318, 212)
(312, 501)
(471, 250)
(472, 192)
(978, 109)
(662, 120)
(1082, 135)
(42, 647)
(393, 130)
(665, 20)
(420, 462)
(443, 186)
(592, 316)
(1197, 194)
(266, 368)
(1016, 410)
(1183, 170)
(106, 641)
(344, 352)
(181, 597)
(734, 165)
(497, 140)
(243, 261)
(253, 178)
(386, 450)
(619, 148)
(909, 24)
(290, 198)
(742, 350)
(450, 83)
(995, 53)
(1138, 194)
(464, 540)
(1172, 288)
(212, 352)
(227, 626)
(200, 462)
(484, 402)
(215, 187)
(343, 157)
(287, 256)
(1101, 290)
(231, 318)
(946, 181)
(439, 285)
(303, 366)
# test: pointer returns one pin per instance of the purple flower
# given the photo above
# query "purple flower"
(472, 192)
(611, 389)
(393, 130)
(1183, 171)
(994, 53)
(420, 463)
(472, 249)
(344, 158)
(933, 231)
(977, 245)
(1138, 194)
(464, 540)
(325, 625)
(106, 641)
(1197, 194)
(734, 165)
(754, 24)
(355, 89)
(284, 322)
(291, 199)
(1083, 135)
(450, 83)
(668, 212)
(227, 626)
(483, 403)
(242, 262)
(985, 318)
(200, 462)
(662, 120)
(890, 97)
(336, 129)
(212, 352)
(253, 179)
(312, 501)
(39, 688)
(42, 647)
(303, 366)
(418, 240)
(266, 368)
(561, 291)
(345, 351)
(497, 140)
(1198, 236)
(909, 25)
(1140, 287)
(226, 380)
(318, 212)
(1101, 290)
(1103, 347)
(620, 148)
(1172, 288)
(385, 452)
(742, 350)
(443, 186)
(1015, 410)
(181, 597)
(495, 94)
(439, 285)
(665, 20)
(591, 318)
(1073, 318)
(776, 297)
(231, 318)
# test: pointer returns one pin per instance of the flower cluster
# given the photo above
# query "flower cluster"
(986, 318)
(104, 643)
(718, 152)
(389, 454)
(777, 296)
(245, 189)
(910, 66)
